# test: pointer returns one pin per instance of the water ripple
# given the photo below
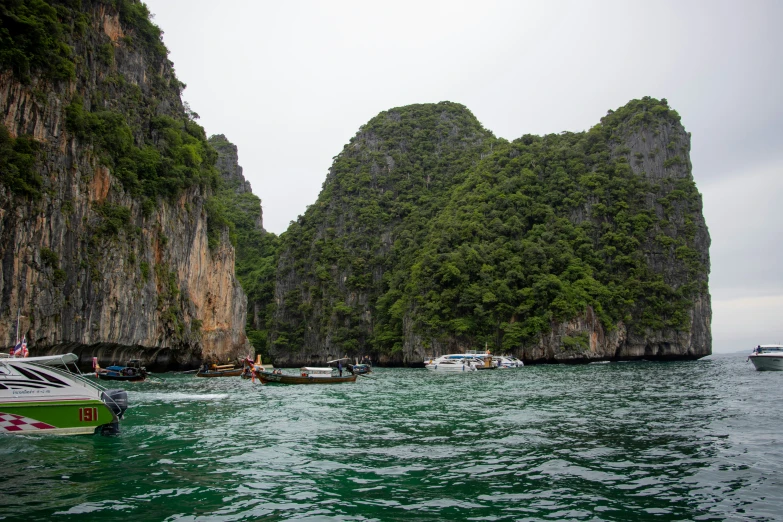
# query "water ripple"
(679, 441)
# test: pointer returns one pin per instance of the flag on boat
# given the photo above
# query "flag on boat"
(20, 350)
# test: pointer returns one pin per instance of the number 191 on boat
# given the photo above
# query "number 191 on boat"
(88, 414)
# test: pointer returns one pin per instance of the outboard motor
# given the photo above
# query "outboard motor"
(117, 401)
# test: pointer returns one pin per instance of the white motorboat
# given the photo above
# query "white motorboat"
(459, 362)
(507, 361)
(44, 395)
(498, 361)
(768, 357)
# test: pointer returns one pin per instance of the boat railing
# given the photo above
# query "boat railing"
(76, 375)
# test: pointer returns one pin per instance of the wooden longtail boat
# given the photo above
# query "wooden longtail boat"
(225, 370)
(309, 375)
(132, 372)
(359, 369)
(249, 368)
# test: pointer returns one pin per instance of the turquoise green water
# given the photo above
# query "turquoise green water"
(629, 441)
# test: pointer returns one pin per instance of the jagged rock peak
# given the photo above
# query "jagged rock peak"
(228, 164)
(233, 179)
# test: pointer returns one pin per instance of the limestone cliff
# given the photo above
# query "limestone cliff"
(432, 236)
(104, 255)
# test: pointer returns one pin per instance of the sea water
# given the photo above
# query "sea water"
(622, 441)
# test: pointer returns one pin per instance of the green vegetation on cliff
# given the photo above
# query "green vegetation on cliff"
(544, 229)
(154, 153)
(175, 154)
(35, 34)
(32, 40)
(358, 241)
(17, 159)
(430, 228)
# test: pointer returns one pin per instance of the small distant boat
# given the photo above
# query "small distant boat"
(223, 370)
(308, 375)
(44, 395)
(498, 361)
(767, 357)
(507, 361)
(359, 369)
(132, 372)
(460, 362)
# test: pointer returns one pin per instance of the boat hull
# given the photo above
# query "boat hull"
(71, 417)
(114, 377)
(278, 378)
(767, 362)
(220, 373)
(450, 368)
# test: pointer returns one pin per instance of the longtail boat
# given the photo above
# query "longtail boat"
(224, 370)
(359, 369)
(250, 367)
(308, 375)
(133, 371)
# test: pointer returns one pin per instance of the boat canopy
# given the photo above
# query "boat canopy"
(312, 369)
(48, 360)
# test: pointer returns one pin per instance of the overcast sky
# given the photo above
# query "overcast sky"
(291, 82)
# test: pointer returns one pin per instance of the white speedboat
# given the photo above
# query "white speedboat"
(458, 362)
(41, 395)
(498, 361)
(507, 361)
(767, 357)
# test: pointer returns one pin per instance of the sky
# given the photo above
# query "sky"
(291, 82)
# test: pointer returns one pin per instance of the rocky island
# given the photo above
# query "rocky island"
(433, 236)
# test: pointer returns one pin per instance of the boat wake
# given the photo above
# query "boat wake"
(178, 396)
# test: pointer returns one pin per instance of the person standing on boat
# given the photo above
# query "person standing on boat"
(340, 367)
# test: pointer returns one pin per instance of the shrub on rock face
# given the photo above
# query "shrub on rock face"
(17, 162)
